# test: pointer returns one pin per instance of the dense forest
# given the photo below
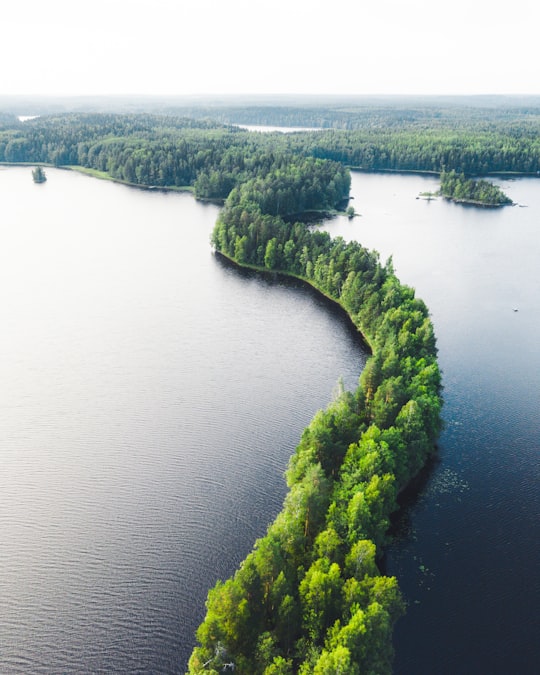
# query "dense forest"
(459, 188)
(310, 597)
(355, 113)
(211, 158)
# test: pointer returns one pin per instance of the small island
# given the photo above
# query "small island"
(456, 187)
(38, 175)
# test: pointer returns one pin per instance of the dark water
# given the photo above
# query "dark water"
(150, 400)
(468, 553)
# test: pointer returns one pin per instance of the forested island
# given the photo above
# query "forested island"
(310, 597)
(458, 188)
(38, 175)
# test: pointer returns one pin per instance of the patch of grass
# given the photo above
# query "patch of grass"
(91, 172)
(103, 175)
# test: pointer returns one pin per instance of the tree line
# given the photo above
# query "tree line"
(349, 113)
(212, 158)
(310, 598)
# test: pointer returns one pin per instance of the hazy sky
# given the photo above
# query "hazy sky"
(280, 46)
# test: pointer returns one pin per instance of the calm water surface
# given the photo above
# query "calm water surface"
(468, 553)
(150, 400)
(151, 397)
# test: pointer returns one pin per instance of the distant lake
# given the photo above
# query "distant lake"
(152, 395)
(265, 129)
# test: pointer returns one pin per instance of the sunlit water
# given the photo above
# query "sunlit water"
(151, 397)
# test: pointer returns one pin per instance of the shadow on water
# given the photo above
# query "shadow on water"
(272, 278)
(408, 499)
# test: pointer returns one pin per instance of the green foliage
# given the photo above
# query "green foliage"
(460, 189)
(212, 158)
(337, 660)
(320, 597)
(316, 599)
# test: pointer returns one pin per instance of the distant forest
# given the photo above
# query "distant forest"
(198, 147)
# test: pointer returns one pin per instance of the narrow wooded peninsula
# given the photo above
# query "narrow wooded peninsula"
(310, 598)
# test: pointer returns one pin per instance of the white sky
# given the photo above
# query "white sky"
(281, 46)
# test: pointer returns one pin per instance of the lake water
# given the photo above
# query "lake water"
(266, 129)
(468, 553)
(151, 397)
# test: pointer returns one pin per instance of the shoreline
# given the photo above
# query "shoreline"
(277, 274)
(103, 175)
(473, 202)
(414, 485)
(432, 172)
